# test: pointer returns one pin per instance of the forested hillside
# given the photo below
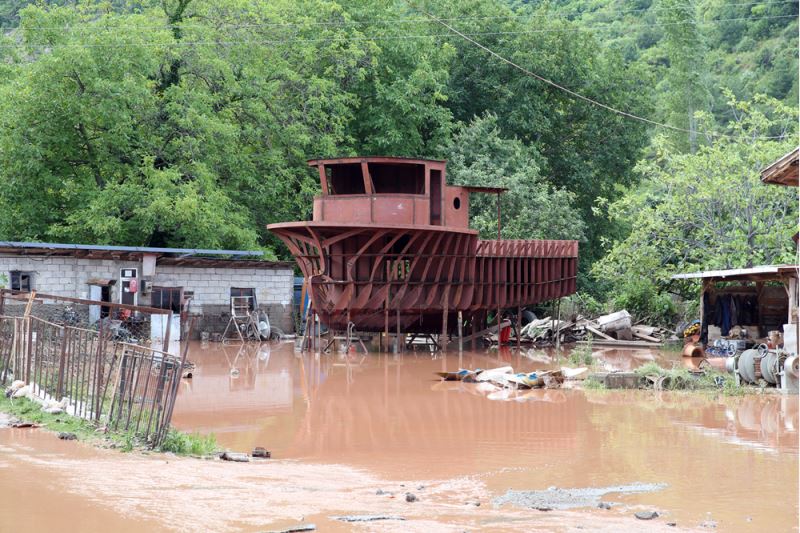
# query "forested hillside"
(188, 122)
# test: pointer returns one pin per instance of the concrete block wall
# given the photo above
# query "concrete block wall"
(68, 276)
(212, 286)
(64, 276)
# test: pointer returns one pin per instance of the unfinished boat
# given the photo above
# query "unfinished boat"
(390, 245)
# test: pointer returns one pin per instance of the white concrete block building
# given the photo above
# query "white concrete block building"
(189, 281)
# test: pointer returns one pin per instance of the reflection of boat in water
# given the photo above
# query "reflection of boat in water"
(390, 240)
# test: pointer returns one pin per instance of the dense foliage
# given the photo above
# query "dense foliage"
(704, 211)
(188, 122)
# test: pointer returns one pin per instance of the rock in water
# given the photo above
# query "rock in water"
(411, 497)
(66, 435)
(646, 515)
(261, 453)
(366, 518)
(235, 457)
(296, 529)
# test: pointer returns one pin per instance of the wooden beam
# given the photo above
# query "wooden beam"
(599, 333)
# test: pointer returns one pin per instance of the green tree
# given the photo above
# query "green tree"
(584, 149)
(707, 210)
(532, 208)
(164, 127)
(686, 78)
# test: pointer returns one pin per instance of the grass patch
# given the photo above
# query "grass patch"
(188, 443)
(593, 384)
(30, 411)
(680, 378)
(175, 441)
(581, 356)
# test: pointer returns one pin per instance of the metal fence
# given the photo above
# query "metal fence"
(90, 369)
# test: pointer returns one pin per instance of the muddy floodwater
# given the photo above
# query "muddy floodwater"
(343, 426)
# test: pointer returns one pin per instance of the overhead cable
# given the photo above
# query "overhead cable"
(573, 93)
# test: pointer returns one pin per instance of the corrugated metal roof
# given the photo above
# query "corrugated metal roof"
(784, 171)
(739, 272)
(189, 257)
(142, 249)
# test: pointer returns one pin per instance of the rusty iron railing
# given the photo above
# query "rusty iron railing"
(91, 371)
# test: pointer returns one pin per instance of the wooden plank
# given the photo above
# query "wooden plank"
(599, 333)
(645, 337)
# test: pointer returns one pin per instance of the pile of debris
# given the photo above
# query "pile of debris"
(615, 329)
(19, 389)
(504, 380)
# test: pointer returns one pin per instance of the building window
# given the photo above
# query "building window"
(21, 281)
(250, 293)
(167, 298)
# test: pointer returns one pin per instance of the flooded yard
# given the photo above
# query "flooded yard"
(342, 428)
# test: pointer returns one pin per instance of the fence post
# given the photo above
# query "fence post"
(62, 360)
(27, 351)
(98, 377)
(165, 340)
(173, 393)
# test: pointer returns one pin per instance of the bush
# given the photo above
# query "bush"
(593, 384)
(188, 444)
(581, 355)
(643, 300)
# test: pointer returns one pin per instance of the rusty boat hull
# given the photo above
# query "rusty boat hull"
(412, 276)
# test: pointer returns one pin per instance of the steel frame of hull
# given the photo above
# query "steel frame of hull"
(421, 276)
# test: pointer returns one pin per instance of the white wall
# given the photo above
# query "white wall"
(68, 276)
(212, 286)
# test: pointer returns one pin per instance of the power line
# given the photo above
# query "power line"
(342, 23)
(368, 37)
(571, 92)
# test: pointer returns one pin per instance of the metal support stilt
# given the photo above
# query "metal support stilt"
(386, 328)
(460, 333)
(443, 341)
(558, 326)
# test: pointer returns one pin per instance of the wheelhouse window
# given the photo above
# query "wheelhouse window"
(167, 298)
(245, 292)
(21, 281)
(397, 179)
(345, 179)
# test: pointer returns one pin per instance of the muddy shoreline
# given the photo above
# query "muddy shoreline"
(355, 435)
(166, 493)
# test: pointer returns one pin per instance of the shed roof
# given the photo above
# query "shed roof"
(491, 190)
(784, 171)
(190, 257)
(759, 273)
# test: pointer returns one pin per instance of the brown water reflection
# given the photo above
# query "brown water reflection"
(734, 458)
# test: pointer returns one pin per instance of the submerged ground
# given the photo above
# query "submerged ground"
(352, 434)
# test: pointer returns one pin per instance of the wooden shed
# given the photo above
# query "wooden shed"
(761, 299)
